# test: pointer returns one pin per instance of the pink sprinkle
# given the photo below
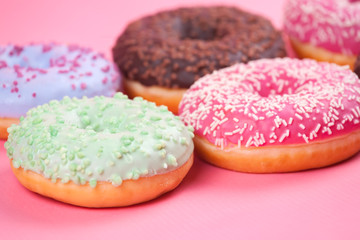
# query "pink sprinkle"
(28, 79)
(106, 69)
(16, 89)
(19, 96)
(15, 83)
(63, 71)
(71, 76)
(83, 86)
(88, 74)
(94, 57)
(17, 50)
(17, 70)
(41, 70)
(114, 78)
(33, 76)
(60, 61)
(104, 81)
(73, 86)
(4, 86)
(46, 48)
(76, 64)
(34, 95)
(3, 64)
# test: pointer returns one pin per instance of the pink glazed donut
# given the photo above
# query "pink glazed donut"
(277, 115)
(325, 30)
(35, 74)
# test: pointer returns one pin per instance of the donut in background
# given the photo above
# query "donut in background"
(162, 55)
(34, 74)
(325, 30)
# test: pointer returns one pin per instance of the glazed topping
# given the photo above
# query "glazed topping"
(99, 139)
(357, 66)
(35, 74)
(330, 24)
(273, 102)
(175, 48)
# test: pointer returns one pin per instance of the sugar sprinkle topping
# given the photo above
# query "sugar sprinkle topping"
(244, 105)
(330, 24)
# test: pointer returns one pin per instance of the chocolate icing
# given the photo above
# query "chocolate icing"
(357, 66)
(175, 48)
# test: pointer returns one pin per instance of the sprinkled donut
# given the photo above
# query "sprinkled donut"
(164, 54)
(325, 30)
(37, 73)
(277, 115)
(100, 152)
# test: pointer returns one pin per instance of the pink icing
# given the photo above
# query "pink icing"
(331, 24)
(273, 102)
(35, 74)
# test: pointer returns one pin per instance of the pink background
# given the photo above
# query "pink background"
(211, 203)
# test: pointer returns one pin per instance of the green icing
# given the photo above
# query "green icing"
(99, 139)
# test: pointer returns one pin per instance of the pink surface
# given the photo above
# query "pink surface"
(211, 202)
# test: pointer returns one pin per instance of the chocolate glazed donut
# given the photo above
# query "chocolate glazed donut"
(172, 49)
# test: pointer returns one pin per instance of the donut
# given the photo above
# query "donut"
(324, 30)
(100, 152)
(162, 55)
(34, 74)
(275, 115)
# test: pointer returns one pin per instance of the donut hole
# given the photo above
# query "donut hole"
(108, 122)
(283, 85)
(280, 87)
(193, 30)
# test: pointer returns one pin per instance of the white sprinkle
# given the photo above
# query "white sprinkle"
(254, 109)
(298, 116)
(255, 117)
(262, 138)
(284, 122)
(273, 135)
(284, 135)
(355, 112)
(339, 126)
(305, 138)
(302, 126)
(248, 143)
(206, 131)
(222, 121)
